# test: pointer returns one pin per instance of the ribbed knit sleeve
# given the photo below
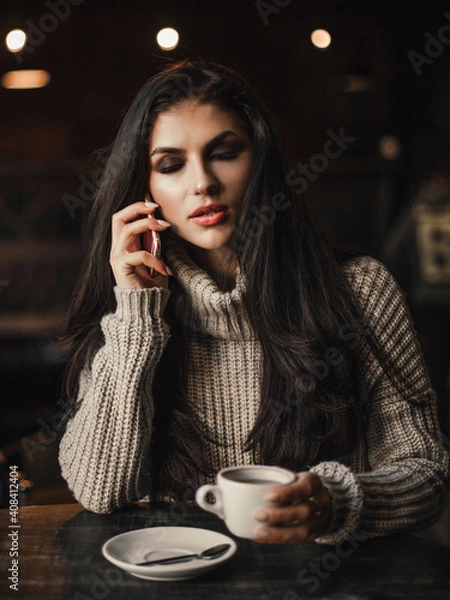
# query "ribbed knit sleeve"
(404, 483)
(105, 448)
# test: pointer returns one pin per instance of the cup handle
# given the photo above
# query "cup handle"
(216, 508)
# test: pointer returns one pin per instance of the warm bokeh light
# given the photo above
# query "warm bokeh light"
(390, 147)
(358, 83)
(321, 38)
(16, 40)
(25, 79)
(167, 38)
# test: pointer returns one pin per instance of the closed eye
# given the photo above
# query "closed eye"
(170, 168)
(225, 155)
(174, 167)
(172, 164)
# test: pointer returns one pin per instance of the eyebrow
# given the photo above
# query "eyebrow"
(208, 146)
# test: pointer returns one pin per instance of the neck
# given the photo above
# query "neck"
(220, 264)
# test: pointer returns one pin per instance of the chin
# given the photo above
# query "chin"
(209, 240)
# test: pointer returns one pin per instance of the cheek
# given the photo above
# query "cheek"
(164, 194)
(242, 179)
(235, 177)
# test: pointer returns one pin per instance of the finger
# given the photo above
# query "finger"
(126, 236)
(135, 210)
(285, 535)
(306, 485)
(131, 213)
(287, 514)
(135, 259)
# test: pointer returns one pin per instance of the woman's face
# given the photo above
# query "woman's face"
(200, 162)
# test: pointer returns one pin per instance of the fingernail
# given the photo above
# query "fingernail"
(261, 515)
(273, 497)
(151, 204)
(263, 532)
(169, 270)
(163, 223)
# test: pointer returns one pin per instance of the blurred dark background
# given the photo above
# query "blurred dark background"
(381, 82)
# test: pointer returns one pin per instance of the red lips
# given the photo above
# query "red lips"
(208, 208)
(209, 214)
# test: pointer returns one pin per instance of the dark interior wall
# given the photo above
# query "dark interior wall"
(102, 52)
(98, 61)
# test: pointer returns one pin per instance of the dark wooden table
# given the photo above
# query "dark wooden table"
(60, 557)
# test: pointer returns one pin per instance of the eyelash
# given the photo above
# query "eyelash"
(178, 166)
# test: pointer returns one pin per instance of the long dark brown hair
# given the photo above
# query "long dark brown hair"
(297, 297)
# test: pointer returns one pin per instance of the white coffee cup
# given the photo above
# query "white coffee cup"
(239, 492)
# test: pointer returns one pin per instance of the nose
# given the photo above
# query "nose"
(205, 183)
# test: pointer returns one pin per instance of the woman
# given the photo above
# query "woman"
(250, 340)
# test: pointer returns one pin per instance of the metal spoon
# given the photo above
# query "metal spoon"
(208, 554)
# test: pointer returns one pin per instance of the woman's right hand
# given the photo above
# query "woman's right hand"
(130, 263)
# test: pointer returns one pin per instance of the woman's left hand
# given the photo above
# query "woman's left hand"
(304, 513)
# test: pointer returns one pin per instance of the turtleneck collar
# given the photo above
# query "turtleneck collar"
(198, 301)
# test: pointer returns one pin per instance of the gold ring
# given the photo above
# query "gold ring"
(319, 508)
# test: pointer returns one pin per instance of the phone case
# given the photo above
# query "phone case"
(152, 243)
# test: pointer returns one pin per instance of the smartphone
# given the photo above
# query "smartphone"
(151, 242)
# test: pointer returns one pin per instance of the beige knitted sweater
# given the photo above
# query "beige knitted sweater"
(395, 479)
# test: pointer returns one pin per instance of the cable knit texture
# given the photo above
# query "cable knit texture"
(394, 480)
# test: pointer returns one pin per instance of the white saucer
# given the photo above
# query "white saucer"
(128, 548)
